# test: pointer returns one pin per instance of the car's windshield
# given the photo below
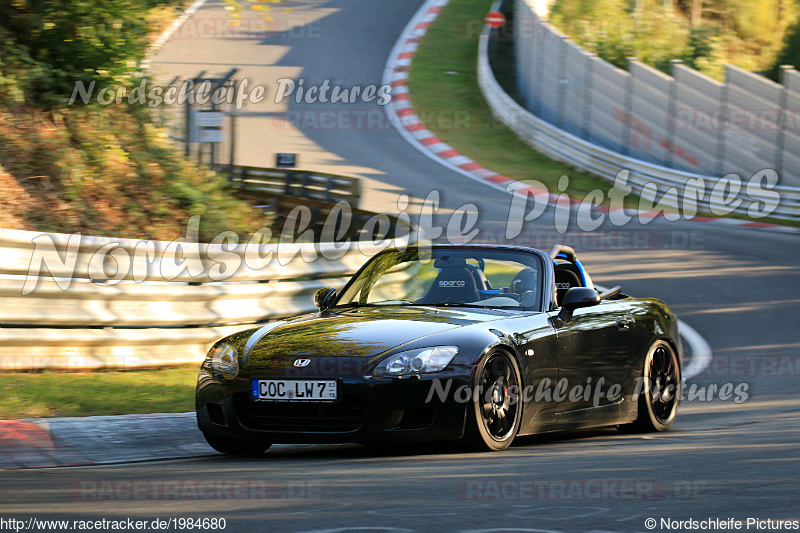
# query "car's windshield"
(493, 278)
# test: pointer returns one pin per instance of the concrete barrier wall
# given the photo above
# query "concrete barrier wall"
(595, 156)
(790, 140)
(686, 122)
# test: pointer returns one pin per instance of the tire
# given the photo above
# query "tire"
(660, 394)
(494, 414)
(231, 446)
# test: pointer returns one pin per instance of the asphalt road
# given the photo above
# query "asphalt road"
(738, 287)
(708, 467)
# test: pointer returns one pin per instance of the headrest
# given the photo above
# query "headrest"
(566, 279)
(447, 261)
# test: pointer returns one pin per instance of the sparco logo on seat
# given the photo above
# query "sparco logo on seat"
(456, 283)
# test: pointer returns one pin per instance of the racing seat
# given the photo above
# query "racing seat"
(566, 276)
(452, 284)
(480, 278)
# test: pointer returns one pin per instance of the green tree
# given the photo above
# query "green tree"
(76, 40)
(789, 54)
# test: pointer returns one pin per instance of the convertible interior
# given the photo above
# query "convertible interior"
(459, 281)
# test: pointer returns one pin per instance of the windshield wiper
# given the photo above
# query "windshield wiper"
(459, 304)
(388, 303)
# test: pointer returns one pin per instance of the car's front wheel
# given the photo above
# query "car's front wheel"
(660, 390)
(495, 410)
(232, 446)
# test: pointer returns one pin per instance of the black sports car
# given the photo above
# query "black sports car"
(431, 343)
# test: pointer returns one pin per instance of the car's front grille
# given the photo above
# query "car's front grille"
(344, 416)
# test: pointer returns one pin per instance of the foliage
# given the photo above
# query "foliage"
(790, 53)
(705, 34)
(236, 7)
(109, 171)
(102, 170)
(65, 41)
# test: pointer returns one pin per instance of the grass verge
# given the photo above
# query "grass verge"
(52, 394)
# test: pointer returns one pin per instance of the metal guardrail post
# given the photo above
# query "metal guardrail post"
(304, 185)
(628, 116)
(719, 166)
(232, 162)
(562, 80)
(287, 189)
(588, 76)
(537, 80)
(355, 225)
(784, 104)
(672, 107)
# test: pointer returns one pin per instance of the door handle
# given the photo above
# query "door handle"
(623, 325)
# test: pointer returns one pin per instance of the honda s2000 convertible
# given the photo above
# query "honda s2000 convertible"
(474, 343)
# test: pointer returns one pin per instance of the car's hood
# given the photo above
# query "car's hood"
(360, 333)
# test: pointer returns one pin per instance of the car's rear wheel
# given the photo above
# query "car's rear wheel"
(232, 446)
(660, 391)
(495, 410)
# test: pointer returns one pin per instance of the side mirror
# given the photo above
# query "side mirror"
(576, 298)
(324, 298)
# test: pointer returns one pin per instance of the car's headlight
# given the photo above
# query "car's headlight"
(225, 359)
(417, 361)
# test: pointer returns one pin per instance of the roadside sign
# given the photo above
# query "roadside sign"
(495, 19)
(208, 119)
(209, 136)
(285, 160)
(205, 126)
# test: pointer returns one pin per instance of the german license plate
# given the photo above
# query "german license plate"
(295, 390)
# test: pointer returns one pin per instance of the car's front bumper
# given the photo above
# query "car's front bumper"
(368, 411)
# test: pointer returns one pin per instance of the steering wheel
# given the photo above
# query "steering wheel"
(526, 280)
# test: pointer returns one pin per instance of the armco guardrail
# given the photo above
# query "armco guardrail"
(319, 186)
(281, 191)
(73, 302)
(559, 144)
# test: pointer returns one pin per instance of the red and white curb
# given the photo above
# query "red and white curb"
(406, 120)
(410, 127)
